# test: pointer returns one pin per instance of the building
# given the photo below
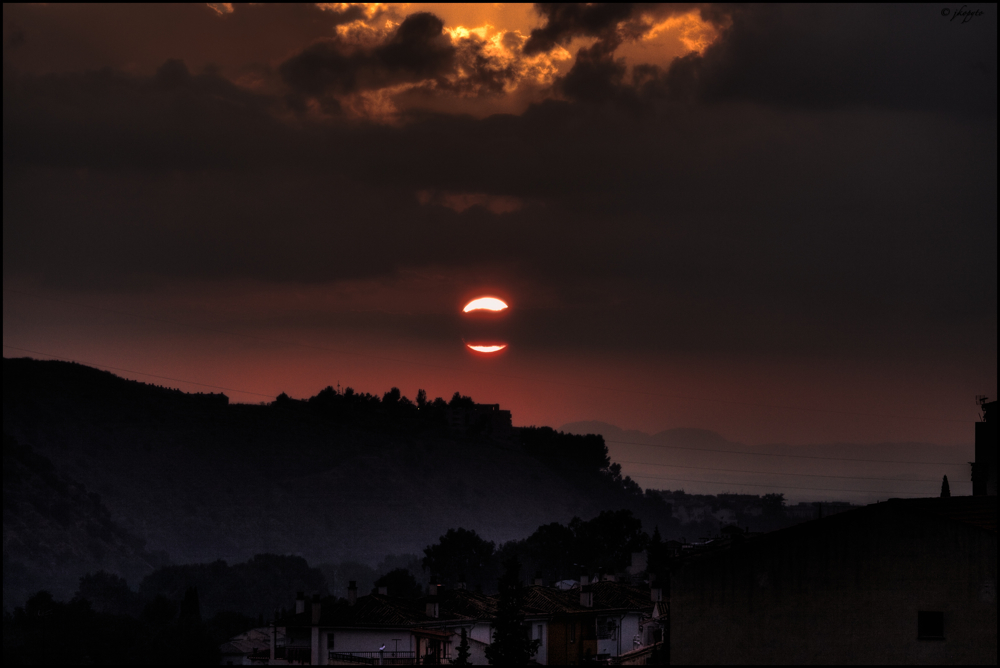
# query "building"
(903, 581)
(334, 631)
(591, 621)
(599, 621)
(984, 469)
(383, 630)
(485, 419)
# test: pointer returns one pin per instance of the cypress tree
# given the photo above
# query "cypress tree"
(511, 644)
(462, 658)
(945, 487)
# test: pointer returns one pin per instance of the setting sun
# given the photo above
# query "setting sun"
(485, 303)
(487, 349)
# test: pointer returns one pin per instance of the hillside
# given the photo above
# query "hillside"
(202, 479)
(54, 530)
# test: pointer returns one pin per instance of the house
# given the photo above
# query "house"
(602, 620)
(334, 631)
(450, 611)
(480, 418)
(903, 581)
(384, 630)
(595, 621)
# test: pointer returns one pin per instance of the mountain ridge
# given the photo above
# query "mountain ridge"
(338, 477)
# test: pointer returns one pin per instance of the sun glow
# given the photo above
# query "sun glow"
(485, 303)
(487, 349)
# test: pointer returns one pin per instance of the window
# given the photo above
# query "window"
(930, 625)
(329, 642)
(572, 632)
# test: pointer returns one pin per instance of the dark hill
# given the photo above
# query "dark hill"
(54, 530)
(337, 477)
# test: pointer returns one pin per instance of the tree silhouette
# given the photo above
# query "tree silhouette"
(945, 487)
(400, 583)
(460, 551)
(462, 658)
(511, 644)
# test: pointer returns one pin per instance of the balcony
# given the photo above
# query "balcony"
(383, 658)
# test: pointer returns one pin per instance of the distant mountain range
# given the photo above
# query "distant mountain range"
(858, 473)
(192, 478)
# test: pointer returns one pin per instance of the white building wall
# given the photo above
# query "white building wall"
(627, 626)
(629, 630)
(482, 632)
(477, 652)
(542, 655)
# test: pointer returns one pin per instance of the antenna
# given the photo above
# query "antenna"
(981, 399)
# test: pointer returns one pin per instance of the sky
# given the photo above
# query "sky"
(777, 223)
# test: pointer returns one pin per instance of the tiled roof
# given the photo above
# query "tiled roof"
(373, 610)
(249, 642)
(548, 600)
(607, 596)
(462, 603)
(620, 596)
(377, 610)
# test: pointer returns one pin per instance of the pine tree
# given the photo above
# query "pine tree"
(945, 487)
(462, 658)
(511, 644)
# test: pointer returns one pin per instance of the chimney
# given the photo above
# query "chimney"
(300, 602)
(315, 609)
(352, 592)
(656, 594)
(383, 591)
(584, 580)
(538, 579)
(587, 597)
(461, 582)
(433, 608)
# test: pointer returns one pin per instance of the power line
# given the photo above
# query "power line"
(805, 475)
(774, 454)
(811, 409)
(140, 373)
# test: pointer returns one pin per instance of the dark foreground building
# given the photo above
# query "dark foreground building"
(984, 469)
(904, 581)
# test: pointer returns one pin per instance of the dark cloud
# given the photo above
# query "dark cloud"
(758, 222)
(563, 22)
(824, 56)
(418, 50)
(609, 22)
(140, 38)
